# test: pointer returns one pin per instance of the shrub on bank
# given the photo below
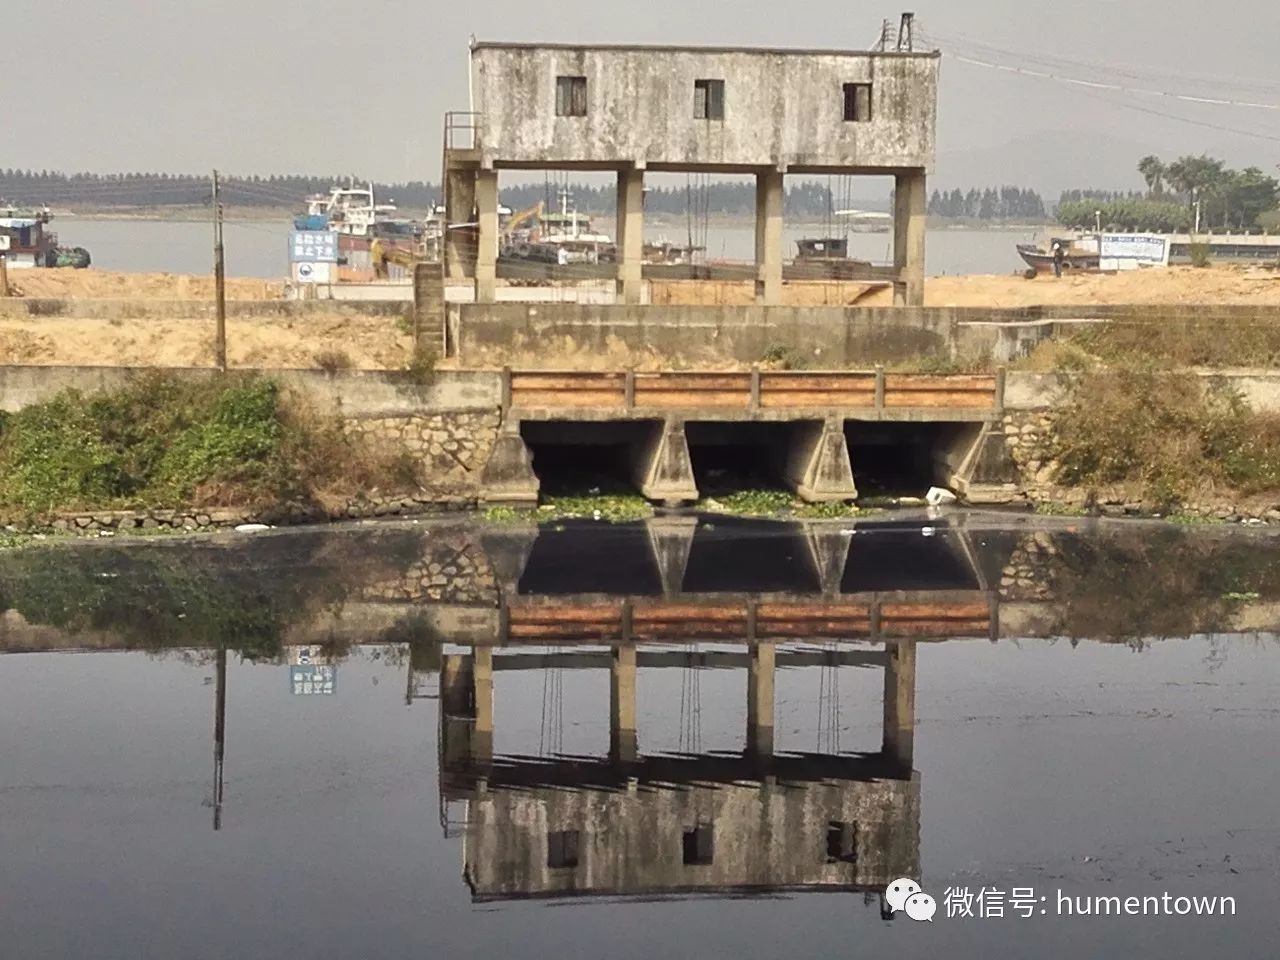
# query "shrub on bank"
(164, 441)
(1167, 432)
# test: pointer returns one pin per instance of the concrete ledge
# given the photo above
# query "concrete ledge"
(352, 393)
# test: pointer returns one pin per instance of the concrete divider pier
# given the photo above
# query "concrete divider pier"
(817, 462)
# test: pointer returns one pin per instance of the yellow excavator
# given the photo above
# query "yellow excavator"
(383, 254)
(523, 217)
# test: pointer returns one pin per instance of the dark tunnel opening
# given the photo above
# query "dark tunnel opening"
(901, 459)
(732, 457)
(582, 459)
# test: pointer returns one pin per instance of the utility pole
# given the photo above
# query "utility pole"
(219, 284)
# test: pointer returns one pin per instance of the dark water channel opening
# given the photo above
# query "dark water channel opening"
(731, 457)
(583, 459)
(899, 459)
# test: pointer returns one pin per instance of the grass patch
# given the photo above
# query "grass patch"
(611, 508)
(775, 504)
(164, 442)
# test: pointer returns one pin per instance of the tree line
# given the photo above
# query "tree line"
(1003, 203)
(126, 190)
(1180, 193)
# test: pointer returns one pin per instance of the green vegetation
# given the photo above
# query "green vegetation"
(1164, 432)
(244, 594)
(1158, 582)
(1161, 216)
(610, 507)
(1007, 203)
(163, 441)
(773, 503)
(1228, 199)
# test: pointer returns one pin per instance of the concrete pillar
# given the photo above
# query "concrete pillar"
(769, 236)
(817, 464)
(482, 697)
(622, 705)
(508, 476)
(909, 215)
(459, 217)
(630, 234)
(760, 670)
(487, 238)
(900, 702)
(660, 464)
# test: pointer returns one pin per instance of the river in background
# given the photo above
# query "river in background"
(260, 248)
(253, 752)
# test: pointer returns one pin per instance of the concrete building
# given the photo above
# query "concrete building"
(632, 109)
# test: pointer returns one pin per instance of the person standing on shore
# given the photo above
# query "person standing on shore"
(1058, 256)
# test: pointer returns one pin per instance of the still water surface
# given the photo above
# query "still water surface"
(260, 248)
(978, 703)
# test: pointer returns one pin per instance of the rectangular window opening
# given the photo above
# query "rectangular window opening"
(857, 102)
(571, 96)
(562, 849)
(699, 846)
(842, 842)
(708, 99)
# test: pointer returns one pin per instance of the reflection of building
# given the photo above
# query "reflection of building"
(634, 825)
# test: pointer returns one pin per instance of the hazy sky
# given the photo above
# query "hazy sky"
(327, 86)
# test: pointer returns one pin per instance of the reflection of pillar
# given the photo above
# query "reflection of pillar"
(456, 733)
(909, 213)
(769, 236)
(630, 240)
(487, 238)
(760, 699)
(622, 705)
(219, 733)
(900, 701)
(482, 697)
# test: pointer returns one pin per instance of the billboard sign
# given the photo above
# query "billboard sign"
(1123, 251)
(313, 246)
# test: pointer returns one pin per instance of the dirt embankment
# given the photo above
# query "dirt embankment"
(316, 339)
(1219, 285)
(105, 285)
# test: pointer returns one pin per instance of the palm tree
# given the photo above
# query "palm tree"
(1153, 171)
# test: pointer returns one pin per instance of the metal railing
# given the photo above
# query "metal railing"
(461, 129)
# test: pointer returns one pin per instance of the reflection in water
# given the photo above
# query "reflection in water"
(750, 601)
(641, 825)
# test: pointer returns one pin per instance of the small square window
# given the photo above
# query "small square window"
(562, 849)
(708, 99)
(857, 102)
(842, 842)
(571, 96)
(699, 846)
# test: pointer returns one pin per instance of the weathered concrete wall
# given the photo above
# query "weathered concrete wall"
(599, 336)
(782, 108)
(631, 842)
(350, 393)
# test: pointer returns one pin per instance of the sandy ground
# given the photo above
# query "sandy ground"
(1175, 285)
(378, 343)
(363, 342)
(104, 284)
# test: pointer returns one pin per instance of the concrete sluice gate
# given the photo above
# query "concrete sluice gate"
(676, 461)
